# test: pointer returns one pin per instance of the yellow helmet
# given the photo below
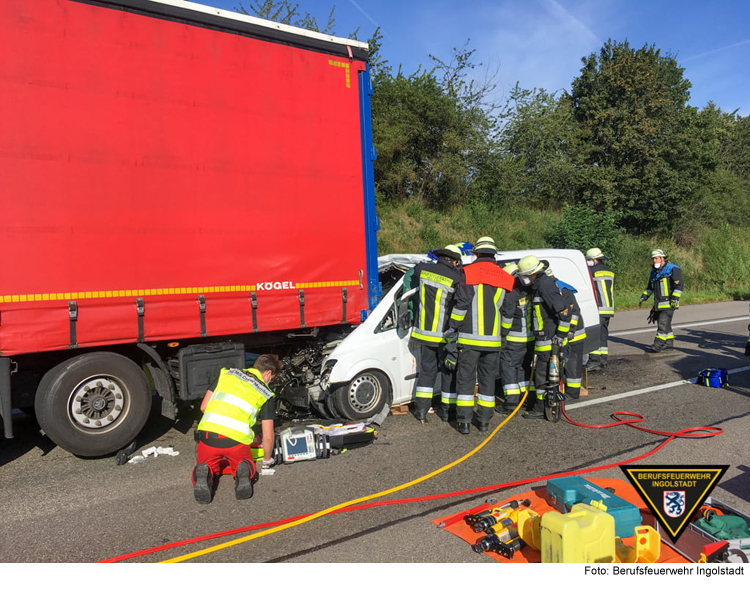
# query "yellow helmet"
(595, 253)
(451, 251)
(485, 245)
(657, 252)
(529, 265)
(511, 268)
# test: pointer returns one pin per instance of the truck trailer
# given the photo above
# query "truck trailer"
(181, 187)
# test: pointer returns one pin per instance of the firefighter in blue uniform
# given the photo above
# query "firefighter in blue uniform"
(475, 322)
(437, 283)
(665, 282)
(557, 321)
(604, 281)
(517, 351)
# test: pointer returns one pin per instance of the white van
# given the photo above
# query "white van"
(375, 367)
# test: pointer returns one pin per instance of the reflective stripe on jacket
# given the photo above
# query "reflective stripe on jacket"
(437, 286)
(234, 405)
(666, 284)
(517, 311)
(556, 313)
(604, 281)
(479, 298)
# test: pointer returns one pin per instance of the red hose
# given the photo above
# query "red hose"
(694, 432)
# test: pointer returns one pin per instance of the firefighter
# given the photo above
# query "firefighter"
(665, 282)
(604, 281)
(557, 321)
(517, 351)
(225, 434)
(476, 322)
(437, 285)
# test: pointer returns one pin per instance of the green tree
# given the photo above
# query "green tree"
(641, 154)
(433, 130)
(541, 148)
(287, 13)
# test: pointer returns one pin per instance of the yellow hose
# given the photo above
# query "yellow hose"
(350, 503)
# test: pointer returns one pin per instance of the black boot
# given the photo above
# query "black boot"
(481, 427)
(536, 411)
(657, 347)
(509, 405)
(420, 413)
(243, 484)
(203, 489)
(463, 428)
(443, 412)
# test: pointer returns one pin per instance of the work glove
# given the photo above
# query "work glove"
(674, 304)
(652, 316)
(643, 299)
(448, 334)
(558, 341)
(451, 356)
(267, 468)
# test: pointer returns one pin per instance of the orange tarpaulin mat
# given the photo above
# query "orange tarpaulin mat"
(456, 525)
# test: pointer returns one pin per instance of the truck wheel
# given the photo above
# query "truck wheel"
(93, 404)
(363, 397)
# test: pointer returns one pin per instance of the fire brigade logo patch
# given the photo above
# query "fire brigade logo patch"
(674, 493)
(674, 503)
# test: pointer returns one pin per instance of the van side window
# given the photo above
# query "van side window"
(390, 320)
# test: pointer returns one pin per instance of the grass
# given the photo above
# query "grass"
(715, 267)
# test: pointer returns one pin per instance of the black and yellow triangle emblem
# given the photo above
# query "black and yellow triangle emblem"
(674, 493)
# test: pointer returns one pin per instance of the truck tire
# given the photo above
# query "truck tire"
(94, 404)
(363, 397)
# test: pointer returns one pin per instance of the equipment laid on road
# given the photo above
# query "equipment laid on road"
(720, 533)
(713, 377)
(586, 531)
(315, 442)
(564, 493)
(503, 515)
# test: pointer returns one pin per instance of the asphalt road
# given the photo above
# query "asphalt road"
(59, 508)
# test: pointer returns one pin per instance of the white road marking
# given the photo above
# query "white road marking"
(689, 325)
(644, 390)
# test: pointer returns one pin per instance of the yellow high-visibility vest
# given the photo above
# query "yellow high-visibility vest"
(233, 408)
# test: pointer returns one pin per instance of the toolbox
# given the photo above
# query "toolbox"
(563, 493)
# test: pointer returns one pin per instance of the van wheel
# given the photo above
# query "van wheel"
(363, 397)
(93, 404)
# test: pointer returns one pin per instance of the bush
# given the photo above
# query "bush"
(582, 227)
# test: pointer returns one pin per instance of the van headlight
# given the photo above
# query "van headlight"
(325, 374)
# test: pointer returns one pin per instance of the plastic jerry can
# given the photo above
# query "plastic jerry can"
(584, 534)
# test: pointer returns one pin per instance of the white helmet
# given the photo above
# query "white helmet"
(595, 253)
(511, 269)
(529, 265)
(485, 245)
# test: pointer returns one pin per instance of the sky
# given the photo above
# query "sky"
(540, 43)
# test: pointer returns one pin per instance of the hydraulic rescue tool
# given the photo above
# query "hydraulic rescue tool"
(493, 515)
(500, 516)
(489, 542)
(553, 397)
